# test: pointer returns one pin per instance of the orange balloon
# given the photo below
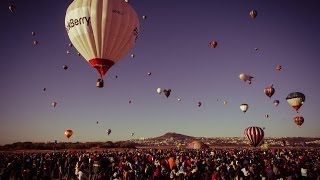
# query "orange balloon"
(68, 133)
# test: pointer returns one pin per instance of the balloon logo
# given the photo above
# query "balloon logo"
(103, 31)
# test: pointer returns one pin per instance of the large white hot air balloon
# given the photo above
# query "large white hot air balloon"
(103, 31)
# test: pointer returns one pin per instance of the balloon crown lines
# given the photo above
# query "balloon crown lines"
(75, 22)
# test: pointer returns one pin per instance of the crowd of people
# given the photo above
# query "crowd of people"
(149, 164)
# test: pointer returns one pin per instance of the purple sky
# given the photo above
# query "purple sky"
(173, 45)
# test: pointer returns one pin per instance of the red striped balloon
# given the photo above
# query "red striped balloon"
(298, 120)
(254, 135)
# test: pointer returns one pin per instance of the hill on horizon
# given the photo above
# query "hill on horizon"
(174, 136)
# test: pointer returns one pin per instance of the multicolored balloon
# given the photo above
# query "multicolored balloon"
(299, 120)
(197, 145)
(269, 91)
(276, 102)
(213, 44)
(68, 133)
(296, 100)
(254, 135)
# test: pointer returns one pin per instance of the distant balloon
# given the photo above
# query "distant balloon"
(132, 55)
(179, 99)
(199, 104)
(167, 92)
(33, 33)
(244, 107)
(12, 7)
(144, 17)
(245, 77)
(97, 122)
(159, 90)
(278, 67)
(149, 73)
(132, 134)
(129, 102)
(299, 120)
(35, 42)
(68, 133)
(254, 135)
(225, 102)
(296, 100)
(276, 102)
(269, 91)
(70, 45)
(116, 77)
(213, 44)
(127, 1)
(68, 52)
(253, 13)
(267, 116)
(79, 54)
(109, 132)
(44, 89)
(54, 104)
(65, 67)
(256, 49)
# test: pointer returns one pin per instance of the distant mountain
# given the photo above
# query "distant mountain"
(173, 136)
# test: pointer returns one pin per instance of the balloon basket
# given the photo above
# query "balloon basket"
(99, 83)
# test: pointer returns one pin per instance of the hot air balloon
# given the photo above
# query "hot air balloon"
(149, 73)
(12, 7)
(129, 102)
(54, 104)
(253, 13)
(179, 99)
(70, 45)
(97, 122)
(278, 67)
(103, 31)
(79, 54)
(132, 134)
(225, 102)
(144, 17)
(65, 67)
(68, 133)
(244, 107)
(299, 120)
(33, 33)
(159, 90)
(132, 55)
(197, 145)
(266, 116)
(35, 42)
(109, 132)
(245, 77)
(276, 102)
(269, 91)
(68, 52)
(264, 146)
(256, 49)
(254, 135)
(44, 89)
(127, 1)
(296, 100)
(167, 92)
(213, 44)
(199, 104)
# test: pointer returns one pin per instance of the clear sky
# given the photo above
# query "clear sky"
(173, 45)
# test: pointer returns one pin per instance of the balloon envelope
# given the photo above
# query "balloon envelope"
(197, 145)
(296, 100)
(103, 31)
(299, 120)
(68, 133)
(244, 107)
(254, 135)
(269, 91)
